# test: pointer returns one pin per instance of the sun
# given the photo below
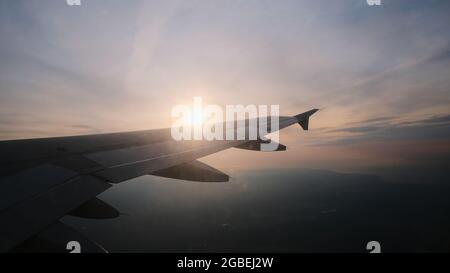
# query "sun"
(194, 115)
(194, 118)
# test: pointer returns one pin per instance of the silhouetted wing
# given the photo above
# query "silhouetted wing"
(37, 197)
(42, 180)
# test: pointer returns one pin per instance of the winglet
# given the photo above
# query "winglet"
(303, 118)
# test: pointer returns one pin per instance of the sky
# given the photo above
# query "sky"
(379, 74)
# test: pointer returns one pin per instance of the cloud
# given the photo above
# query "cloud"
(432, 128)
(442, 119)
(441, 55)
(360, 129)
(375, 120)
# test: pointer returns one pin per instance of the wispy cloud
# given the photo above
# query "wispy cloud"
(379, 74)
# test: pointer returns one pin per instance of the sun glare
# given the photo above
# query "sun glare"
(196, 118)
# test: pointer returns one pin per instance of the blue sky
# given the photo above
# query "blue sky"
(379, 74)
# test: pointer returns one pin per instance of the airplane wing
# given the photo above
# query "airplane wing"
(42, 180)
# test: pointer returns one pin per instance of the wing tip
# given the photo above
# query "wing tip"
(303, 118)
